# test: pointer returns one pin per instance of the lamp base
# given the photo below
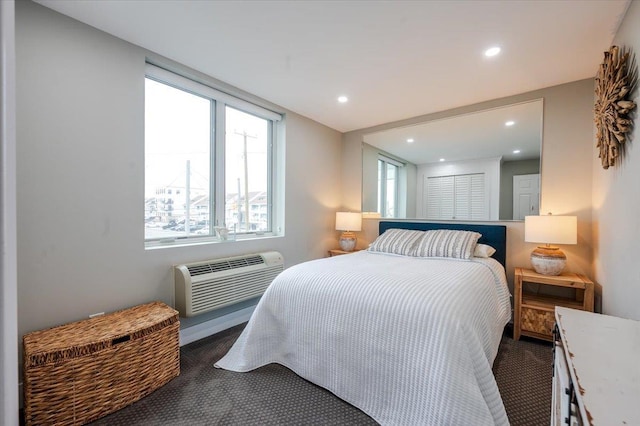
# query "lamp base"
(348, 241)
(548, 260)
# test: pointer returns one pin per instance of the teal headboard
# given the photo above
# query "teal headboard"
(493, 235)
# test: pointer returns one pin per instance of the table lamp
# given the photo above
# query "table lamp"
(348, 222)
(549, 229)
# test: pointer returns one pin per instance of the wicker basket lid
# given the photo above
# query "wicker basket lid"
(95, 334)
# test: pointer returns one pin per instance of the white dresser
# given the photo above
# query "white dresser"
(596, 378)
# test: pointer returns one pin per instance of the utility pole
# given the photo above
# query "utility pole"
(187, 211)
(238, 204)
(246, 177)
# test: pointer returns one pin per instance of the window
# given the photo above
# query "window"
(246, 171)
(208, 161)
(388, 180)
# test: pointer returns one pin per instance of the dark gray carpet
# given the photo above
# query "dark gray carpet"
(273, 395)
(523, 370)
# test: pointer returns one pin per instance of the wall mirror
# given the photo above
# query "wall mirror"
(479, 166)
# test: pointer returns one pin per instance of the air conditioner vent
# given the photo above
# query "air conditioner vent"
(209, 285)
(225, 265)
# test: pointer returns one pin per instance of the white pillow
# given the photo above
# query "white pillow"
(447, 243)
(483, 250)
(396, 241)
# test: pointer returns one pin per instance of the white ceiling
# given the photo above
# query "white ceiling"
(468, 137)
(393, 59)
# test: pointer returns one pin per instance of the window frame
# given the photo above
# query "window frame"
(217, 190)
(382, 184)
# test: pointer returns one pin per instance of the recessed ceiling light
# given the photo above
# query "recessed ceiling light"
(342, 99)
(492, 51)
(509, 123)
(410, 140)
(516, 151)
(442, 159)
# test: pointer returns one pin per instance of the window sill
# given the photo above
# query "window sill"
(189, 242)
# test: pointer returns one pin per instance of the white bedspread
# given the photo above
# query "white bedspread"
(409, 341)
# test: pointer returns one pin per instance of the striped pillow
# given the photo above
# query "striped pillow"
(447, 243)
(396, 241)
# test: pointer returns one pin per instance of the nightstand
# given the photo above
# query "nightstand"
(533, 314)
(338, 252)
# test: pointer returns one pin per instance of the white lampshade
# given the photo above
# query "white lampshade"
(347, 221)
(550, 229)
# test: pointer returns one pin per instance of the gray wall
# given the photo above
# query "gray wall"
(369, 168)
(8, 280)
(616, 207)
(508, 170)
(80, 171)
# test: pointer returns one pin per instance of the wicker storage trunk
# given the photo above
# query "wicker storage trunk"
(79, 372)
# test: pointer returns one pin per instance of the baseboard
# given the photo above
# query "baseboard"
(216, 325)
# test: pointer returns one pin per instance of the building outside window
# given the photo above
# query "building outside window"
(209, 161)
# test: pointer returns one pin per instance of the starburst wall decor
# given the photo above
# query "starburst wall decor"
(615, 81)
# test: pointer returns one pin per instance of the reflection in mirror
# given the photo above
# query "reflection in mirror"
(479, 166)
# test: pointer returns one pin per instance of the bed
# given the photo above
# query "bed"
(408, 339)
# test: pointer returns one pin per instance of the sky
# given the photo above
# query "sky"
(178, 128)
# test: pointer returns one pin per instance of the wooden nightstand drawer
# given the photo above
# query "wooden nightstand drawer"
(539, 321)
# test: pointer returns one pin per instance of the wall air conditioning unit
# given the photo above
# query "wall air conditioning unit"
(212, 284)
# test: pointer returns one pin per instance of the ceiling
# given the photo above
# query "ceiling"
(393, 59)
(472, 136)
